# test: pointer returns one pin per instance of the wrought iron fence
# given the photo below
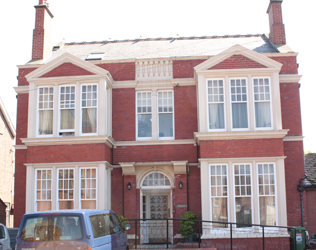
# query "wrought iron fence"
(165, 233)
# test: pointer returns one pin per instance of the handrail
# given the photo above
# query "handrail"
(217, 222)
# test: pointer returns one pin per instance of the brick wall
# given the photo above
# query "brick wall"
(184, 68)
(2, 212)
(241, 148)
(180, 196)
(130, 197)
(311, 211)
(294, 170)
(289, 64)
(67, 69)
(291, 108)
(185, 112)
(117, 191)
(123, 114)
(195, 191)
(69, 153)
(19, 186)
(120, 71)
(152, 153)
(277, 30)
(22, 73)
(22, 117)
(237, 62)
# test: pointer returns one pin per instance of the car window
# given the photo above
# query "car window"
(52, 228)
(102, 225)
(117, 221)
(2, 232)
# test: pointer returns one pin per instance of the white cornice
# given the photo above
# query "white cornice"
(22, 89)
(146, 143)
(20, 146)
(293, 138)
(238, 135)
(236, 72)
(243, 159)
(70, 164)
(280, 54)
(289, 78)
(108, 140)
(154, 83)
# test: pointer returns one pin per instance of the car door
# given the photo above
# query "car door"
(4, 238)
(120, 235)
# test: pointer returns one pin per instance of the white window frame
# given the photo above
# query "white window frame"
(232, 102)
(227, 196)
(38, 110)
(207, 105)
(254, 101)
(157, 108)
(97, 186)
(57, 186)
(142, 113)
(51, 189)
(275, 192)
(251, 196)
(59, 110)
(81, 108)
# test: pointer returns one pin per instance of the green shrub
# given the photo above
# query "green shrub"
(123, 220)
(187, 227)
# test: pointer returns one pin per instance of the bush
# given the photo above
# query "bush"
(188, 227)
(123, 220)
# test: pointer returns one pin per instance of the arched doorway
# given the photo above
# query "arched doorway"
(156, 203)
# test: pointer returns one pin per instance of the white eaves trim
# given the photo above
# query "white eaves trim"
(293, 138)
(238, 135)
(239, 50)
(289, 78)
(69, 164)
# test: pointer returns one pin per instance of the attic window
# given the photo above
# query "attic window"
(95, 56)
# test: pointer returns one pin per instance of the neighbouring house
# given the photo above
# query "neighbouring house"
(310, 189)
(7, 137)
(206, 124)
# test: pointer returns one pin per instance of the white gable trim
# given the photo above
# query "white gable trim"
(238, 50)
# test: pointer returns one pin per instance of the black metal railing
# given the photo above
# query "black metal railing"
(163, 231)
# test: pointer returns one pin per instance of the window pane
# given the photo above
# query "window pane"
(66, 205)
(144, 126)
(243, 211)
(216, 116)
(89, 120)
(267, 210)
(240, 116)
(263, 115)
(88, 204)
(165, 125)
(67, 119)
(219, 212)
(44, 205)
(45, 126)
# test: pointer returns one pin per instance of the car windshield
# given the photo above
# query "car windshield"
(52, 228)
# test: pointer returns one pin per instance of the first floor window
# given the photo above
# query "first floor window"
(89, 108)
(144, 115)
(88, 188)
(67, 108)
(219, 195)
(239, 111)
(266, 184)
(43, 189)
(66, 188)
(45, 110)
(215, 100)
(165, 114)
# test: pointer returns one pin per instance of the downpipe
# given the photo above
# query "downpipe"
(301, 188)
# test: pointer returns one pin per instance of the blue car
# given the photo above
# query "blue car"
(72, 229)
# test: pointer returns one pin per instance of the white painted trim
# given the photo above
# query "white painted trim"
(229, 135)
(154, 142)
(241, 160)
(108, 140)
(68, 164)
(293, 138)
(22, 89)
(20, 146)
(289, 78)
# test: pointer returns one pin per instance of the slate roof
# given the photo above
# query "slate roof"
(165, 47)
(310, 168)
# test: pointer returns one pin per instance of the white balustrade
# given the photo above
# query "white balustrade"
(154, 70)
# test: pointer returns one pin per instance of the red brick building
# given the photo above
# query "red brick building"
(120, 124)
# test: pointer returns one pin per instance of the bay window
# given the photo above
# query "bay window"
(238, 92)
(144, 115)
(89, 106)
(67, 110)
(43, 189)
(215, 100)
(262, 99)
(165, 114)
(45, 110)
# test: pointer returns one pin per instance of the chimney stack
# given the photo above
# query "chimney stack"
(42, 33)
(277, 30)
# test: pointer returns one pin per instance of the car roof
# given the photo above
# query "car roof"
(71, 211)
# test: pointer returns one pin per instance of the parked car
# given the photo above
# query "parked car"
(4, 238)
(72, 229)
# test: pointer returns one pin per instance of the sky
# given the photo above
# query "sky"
(98, 20)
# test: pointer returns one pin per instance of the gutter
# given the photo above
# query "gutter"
(301, 188)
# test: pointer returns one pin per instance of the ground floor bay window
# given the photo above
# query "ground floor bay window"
(244, 191)
(68, 186)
